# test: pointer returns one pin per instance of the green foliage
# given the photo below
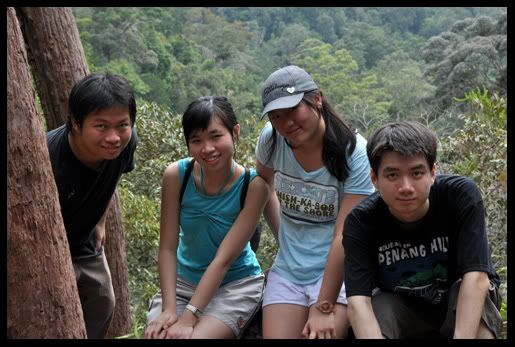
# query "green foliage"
(479, 151)
(471, 54)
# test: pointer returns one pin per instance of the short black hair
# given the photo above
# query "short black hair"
(97, 92)
(407, 138)
(199, 113)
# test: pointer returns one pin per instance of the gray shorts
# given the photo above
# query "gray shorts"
(234, 303)
(401, 317)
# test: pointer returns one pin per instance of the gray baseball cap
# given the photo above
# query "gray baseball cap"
(285, 88)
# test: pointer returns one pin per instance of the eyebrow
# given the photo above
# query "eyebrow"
(108, 119)
(197, 133)
(416, 167)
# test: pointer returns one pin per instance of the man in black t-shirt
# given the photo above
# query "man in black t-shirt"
(88, 155)
(417, 262)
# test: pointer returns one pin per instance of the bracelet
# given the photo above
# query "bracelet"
(196, 311)
(325, 307)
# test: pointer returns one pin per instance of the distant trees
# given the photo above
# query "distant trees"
(473, 53)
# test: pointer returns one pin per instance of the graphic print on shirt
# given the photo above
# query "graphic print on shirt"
(415, 269)
(307, 201)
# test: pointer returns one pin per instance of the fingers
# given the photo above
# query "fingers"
(305, 331)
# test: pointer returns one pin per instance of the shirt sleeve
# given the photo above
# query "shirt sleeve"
(360, 259)
(131, 148)
(359, 181)
(263, 145)
(472, 252)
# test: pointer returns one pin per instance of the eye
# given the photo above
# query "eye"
(124, 125)
(391, 175)
(418, 173)
(100, 126)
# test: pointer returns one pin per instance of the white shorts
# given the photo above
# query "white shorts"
(279, 290)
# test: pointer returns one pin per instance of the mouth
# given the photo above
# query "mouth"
(112, 149)
(211, 160)
(292, 132)
(407, 201)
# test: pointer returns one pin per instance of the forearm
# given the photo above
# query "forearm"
(102, 221)
(167, 265)
(471, 301)
(333, 273)
(362, 318)
(271, 214)
(209, 283)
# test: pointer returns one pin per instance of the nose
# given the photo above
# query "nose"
(112, 136)
(207, 147)
(405, 185)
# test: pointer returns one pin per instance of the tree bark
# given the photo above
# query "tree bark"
(114, 247)
(56, 55)
(58, 62)
(42, 297)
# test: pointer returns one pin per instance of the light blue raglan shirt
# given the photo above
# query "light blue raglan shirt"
(310, 202)
(204, 222)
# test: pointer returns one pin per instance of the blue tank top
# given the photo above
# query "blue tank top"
(204, 221)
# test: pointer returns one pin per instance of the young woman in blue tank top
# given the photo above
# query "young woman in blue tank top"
(211, 281)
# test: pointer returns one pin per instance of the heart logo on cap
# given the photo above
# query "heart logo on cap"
(290, 90)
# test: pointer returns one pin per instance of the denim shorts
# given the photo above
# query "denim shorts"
(401, 317)
(234, 303)
(279, 290)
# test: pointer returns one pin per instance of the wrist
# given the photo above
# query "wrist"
(195, 311)
(325, 307)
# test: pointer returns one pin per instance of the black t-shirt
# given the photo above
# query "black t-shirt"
(423, 259)
(84, 192)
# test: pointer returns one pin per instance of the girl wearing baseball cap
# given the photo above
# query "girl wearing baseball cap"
(318, 168)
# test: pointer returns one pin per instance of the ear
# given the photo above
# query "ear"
(433, 173)
(75, 125)
(236, 132)
(373, 178)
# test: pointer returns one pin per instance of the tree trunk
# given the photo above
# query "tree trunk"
(58, 62)
(42, 297)
(56, 55)
(114, 247)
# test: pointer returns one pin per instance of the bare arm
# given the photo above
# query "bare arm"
(333, 273)
(100, 230)
(471, 301)
(272, 208)
(167, 258)
(362, 318)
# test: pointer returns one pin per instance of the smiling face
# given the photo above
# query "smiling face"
(404, 183)
(213, 147)
(300, 124)
(104, 134)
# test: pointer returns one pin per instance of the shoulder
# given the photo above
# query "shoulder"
(258, 188)
(172, 170)
(359, 154)
(459, 188)
(55, 135)
(367, 209)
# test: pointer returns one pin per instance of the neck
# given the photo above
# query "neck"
(215, 182)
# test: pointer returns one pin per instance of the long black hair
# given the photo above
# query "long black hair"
(339, 138)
